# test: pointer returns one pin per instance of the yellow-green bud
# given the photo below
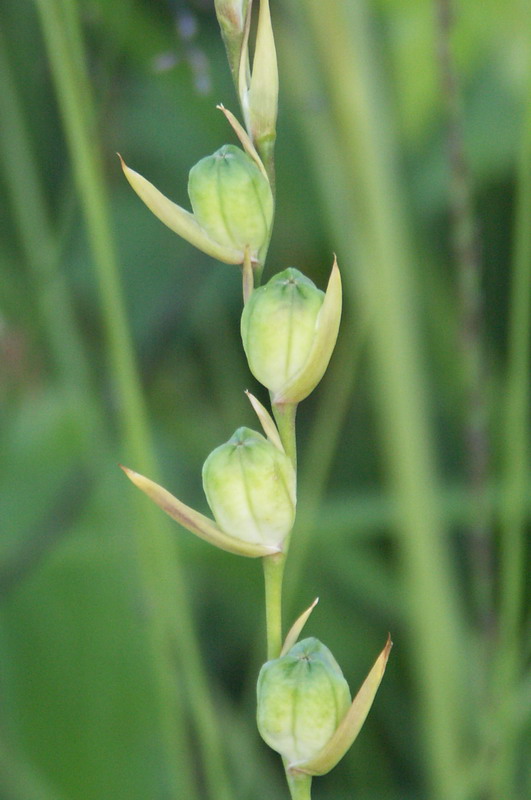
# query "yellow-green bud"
(287, 340)
(302, 699)
(232, 200)
(250, 487)
(232, 17)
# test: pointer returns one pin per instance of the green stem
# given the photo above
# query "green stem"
(274, 565)
(300, 786)
(467, 257)
(515, 505)
(285, 418)
(273, 574)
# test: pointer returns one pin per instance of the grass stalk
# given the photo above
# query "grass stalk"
(384, 284)
(40, 247)
(170, 625)
(515, 497)
(273, 575)
(467, 257)
(336, 392)
(20, 780)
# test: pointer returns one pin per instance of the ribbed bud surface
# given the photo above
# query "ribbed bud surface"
(232, 200)
(302, 698)
(250, 487)
(278, 327)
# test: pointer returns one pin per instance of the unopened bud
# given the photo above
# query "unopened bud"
(250, 487)
(289, 329)
(232, 16)
(232, 200)
(302, 698)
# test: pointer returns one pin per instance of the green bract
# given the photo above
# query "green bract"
(302, 698)
(289, 329)
(250, 487)
(232, 200)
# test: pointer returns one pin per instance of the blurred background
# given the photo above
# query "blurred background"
(129, 649)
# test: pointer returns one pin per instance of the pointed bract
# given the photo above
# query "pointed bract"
(243, 136)
(351, 724)
(179, 220)
(196, 522)
(326, 331)
(296, 629)
(266, 421)
(262, 99)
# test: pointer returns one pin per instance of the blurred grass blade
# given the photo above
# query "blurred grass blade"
(156, 547)
(351, 724)
(20, 780)
(384, 283)
(40, 247)
(515, 499)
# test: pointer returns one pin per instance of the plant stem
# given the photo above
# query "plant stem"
(515, 503)
(300, 786)
(284, 414)
(273, 574)
(274, 565)
(467, 257)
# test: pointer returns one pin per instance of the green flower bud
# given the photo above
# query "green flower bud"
(302, 699)
(232, 200)
(232, 16)
(289, 329)
(250, 487)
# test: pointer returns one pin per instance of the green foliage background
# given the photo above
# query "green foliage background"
(130, 650)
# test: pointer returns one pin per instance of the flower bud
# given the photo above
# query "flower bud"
(232, 17)
(289, 329)
(250, 487)
(232, 200)
(302, 699)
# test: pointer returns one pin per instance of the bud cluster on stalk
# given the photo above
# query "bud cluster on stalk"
(289, 329)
